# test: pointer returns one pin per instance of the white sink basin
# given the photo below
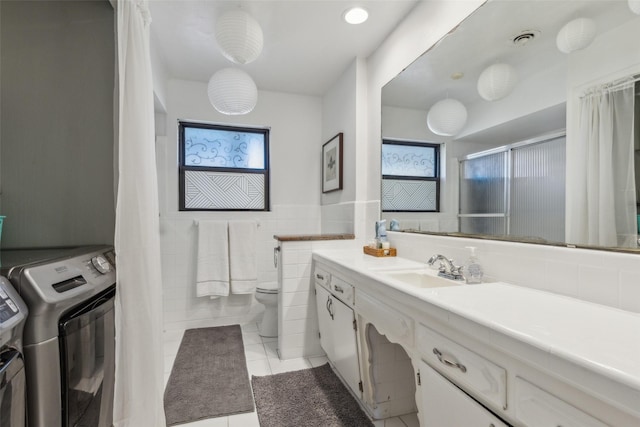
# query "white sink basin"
(421, 278)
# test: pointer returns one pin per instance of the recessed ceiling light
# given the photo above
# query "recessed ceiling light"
(356, 15)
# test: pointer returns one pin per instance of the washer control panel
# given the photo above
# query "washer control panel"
(8, 307)
(101, 264)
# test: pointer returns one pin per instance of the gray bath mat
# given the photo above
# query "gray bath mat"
(306, 398)
(209, 377)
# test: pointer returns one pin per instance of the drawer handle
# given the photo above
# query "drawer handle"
(319, 276)
(448, 362)
(338, 288)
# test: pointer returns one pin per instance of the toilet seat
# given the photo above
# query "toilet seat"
(268, 288)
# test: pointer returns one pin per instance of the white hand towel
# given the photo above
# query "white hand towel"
(212, 277)
(242, 257)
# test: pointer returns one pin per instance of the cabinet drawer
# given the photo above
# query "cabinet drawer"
(321, 277)
(465, 368)
(342, 290)
(536, 407)
(444, 404)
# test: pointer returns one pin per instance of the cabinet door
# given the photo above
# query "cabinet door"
(324, 320)
(338, 337)
(445, 405)
(345, 347)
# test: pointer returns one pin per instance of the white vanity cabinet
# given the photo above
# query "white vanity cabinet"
(445, 405)
(336, 322)
(479, 363)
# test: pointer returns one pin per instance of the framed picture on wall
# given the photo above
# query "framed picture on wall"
(332, 164)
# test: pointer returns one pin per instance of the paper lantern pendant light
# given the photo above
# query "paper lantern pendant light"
(576, 35)
(634, 5)
(497, 81)
(447, 117)
(239, 36)
(232, 92)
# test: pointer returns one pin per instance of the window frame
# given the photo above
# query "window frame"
(182, 168)
(437, 178)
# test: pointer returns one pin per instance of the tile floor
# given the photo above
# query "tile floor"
(262, 359)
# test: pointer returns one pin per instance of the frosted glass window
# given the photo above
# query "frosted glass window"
(223, 167)
(223, 191)
(223, 148)
(409, 195)
(409, 160)
(410, 176)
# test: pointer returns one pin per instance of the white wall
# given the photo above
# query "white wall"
(57, 123)
(344, 110)
(295, 138)
(160, 79)
(339, 115)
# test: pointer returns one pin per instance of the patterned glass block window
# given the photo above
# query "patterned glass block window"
(223, 167)
(410, 176)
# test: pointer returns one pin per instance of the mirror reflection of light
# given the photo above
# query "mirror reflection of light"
(255, 149)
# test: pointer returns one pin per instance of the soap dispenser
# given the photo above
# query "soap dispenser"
(473, 270)
(381, 232)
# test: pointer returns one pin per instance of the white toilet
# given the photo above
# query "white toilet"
(267, 294)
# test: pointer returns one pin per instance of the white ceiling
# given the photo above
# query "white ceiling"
(307, 45)
(485, 37)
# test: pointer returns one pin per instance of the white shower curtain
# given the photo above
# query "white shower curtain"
(139, 357)
(603, 202)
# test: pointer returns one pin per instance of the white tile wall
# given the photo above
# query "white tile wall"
(182, 309)
(338, 218)
(603, 277)
(298, 321)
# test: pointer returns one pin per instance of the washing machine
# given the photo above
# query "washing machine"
(13, 313)
(69, 335)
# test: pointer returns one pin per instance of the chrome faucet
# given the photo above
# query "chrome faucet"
(447, 268)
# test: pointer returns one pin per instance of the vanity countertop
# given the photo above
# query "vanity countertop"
(600, 339)
(311, 237)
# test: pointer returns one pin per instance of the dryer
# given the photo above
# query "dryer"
(69, 336)
(13, 313)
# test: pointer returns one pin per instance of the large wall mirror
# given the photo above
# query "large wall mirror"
(549, 149)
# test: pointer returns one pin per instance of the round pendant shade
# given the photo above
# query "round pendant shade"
(576, 35)
(497, 81)
(447, 117)
(634, 5)
(232, 92)
(239, 36)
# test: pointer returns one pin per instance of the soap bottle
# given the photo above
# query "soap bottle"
(381, 232)
(473, 270)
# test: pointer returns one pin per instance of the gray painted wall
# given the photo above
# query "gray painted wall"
(56, 138)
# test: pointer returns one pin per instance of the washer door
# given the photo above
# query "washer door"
(12, 389)
(87, 343)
